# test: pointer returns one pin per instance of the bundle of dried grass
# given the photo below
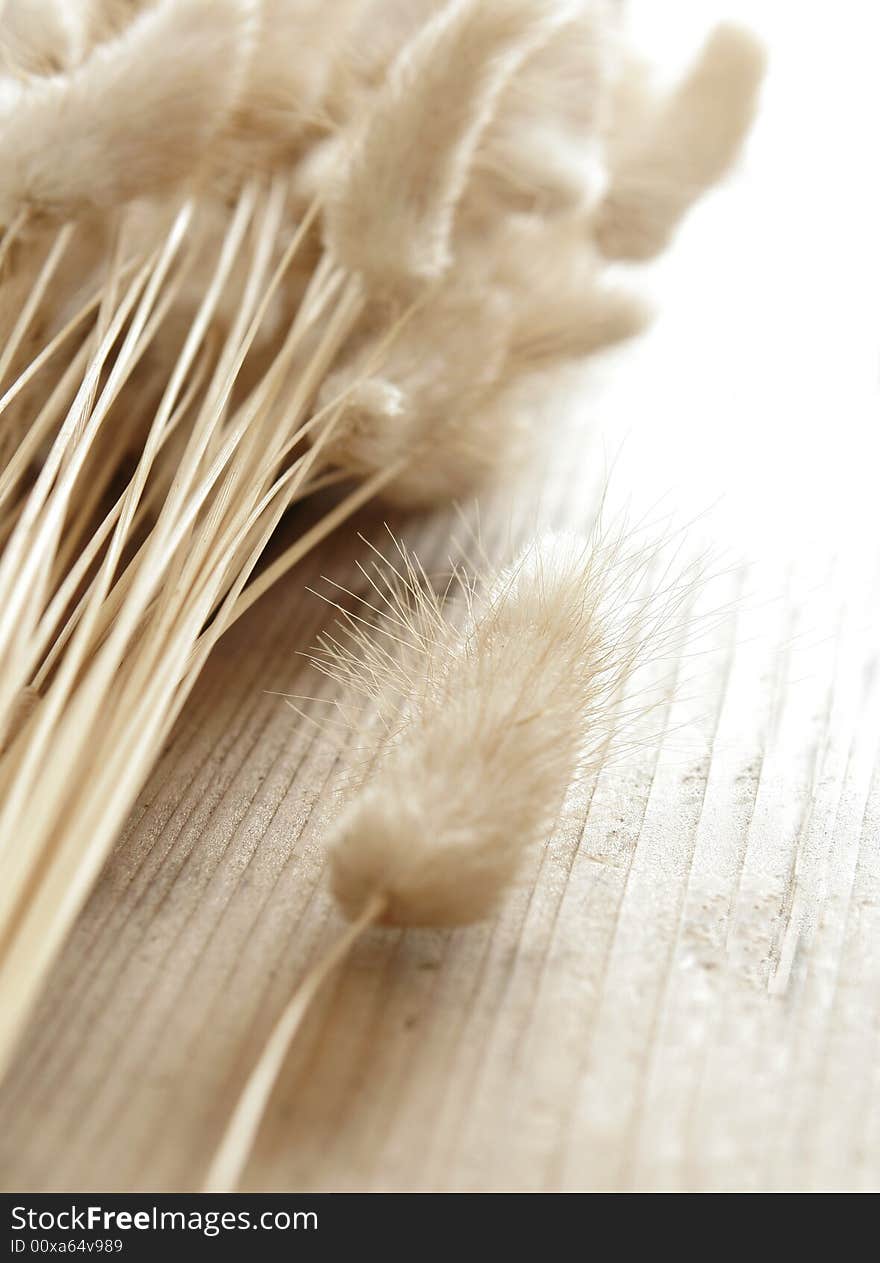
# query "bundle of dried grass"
(240, 243)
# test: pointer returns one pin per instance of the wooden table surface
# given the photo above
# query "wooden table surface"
(683, 991)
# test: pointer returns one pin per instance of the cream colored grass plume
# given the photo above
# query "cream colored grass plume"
(250, 249)
(489, 700)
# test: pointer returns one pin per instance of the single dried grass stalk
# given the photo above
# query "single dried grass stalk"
(487, 712)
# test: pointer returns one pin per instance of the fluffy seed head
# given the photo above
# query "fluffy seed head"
(132, 119)
(543, 146)
(687, 146)
(494, 715)
(391, 214)
(428, 401)
(40, 37)
(448, 399)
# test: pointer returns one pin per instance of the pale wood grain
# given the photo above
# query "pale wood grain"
(684, 989)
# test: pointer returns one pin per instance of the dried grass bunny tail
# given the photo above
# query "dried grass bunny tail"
(688, 146)
(580, 322)
(567, 310)
(487, 721)
(500, 713)
(41, 37)
(132, 119)
(391, 214)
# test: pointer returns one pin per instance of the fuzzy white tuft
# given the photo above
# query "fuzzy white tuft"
(391, 214)
(686, 147)
(41, 36)
(492, 720)
(134, 118)
(460, 365)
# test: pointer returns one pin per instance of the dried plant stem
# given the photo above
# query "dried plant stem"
(58, 339)
(294, 554)
(36, 534)
(35, 297)
(12, 231)
(236, 1145)
(110, 641)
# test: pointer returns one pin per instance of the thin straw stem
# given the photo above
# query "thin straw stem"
(236, 1145)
